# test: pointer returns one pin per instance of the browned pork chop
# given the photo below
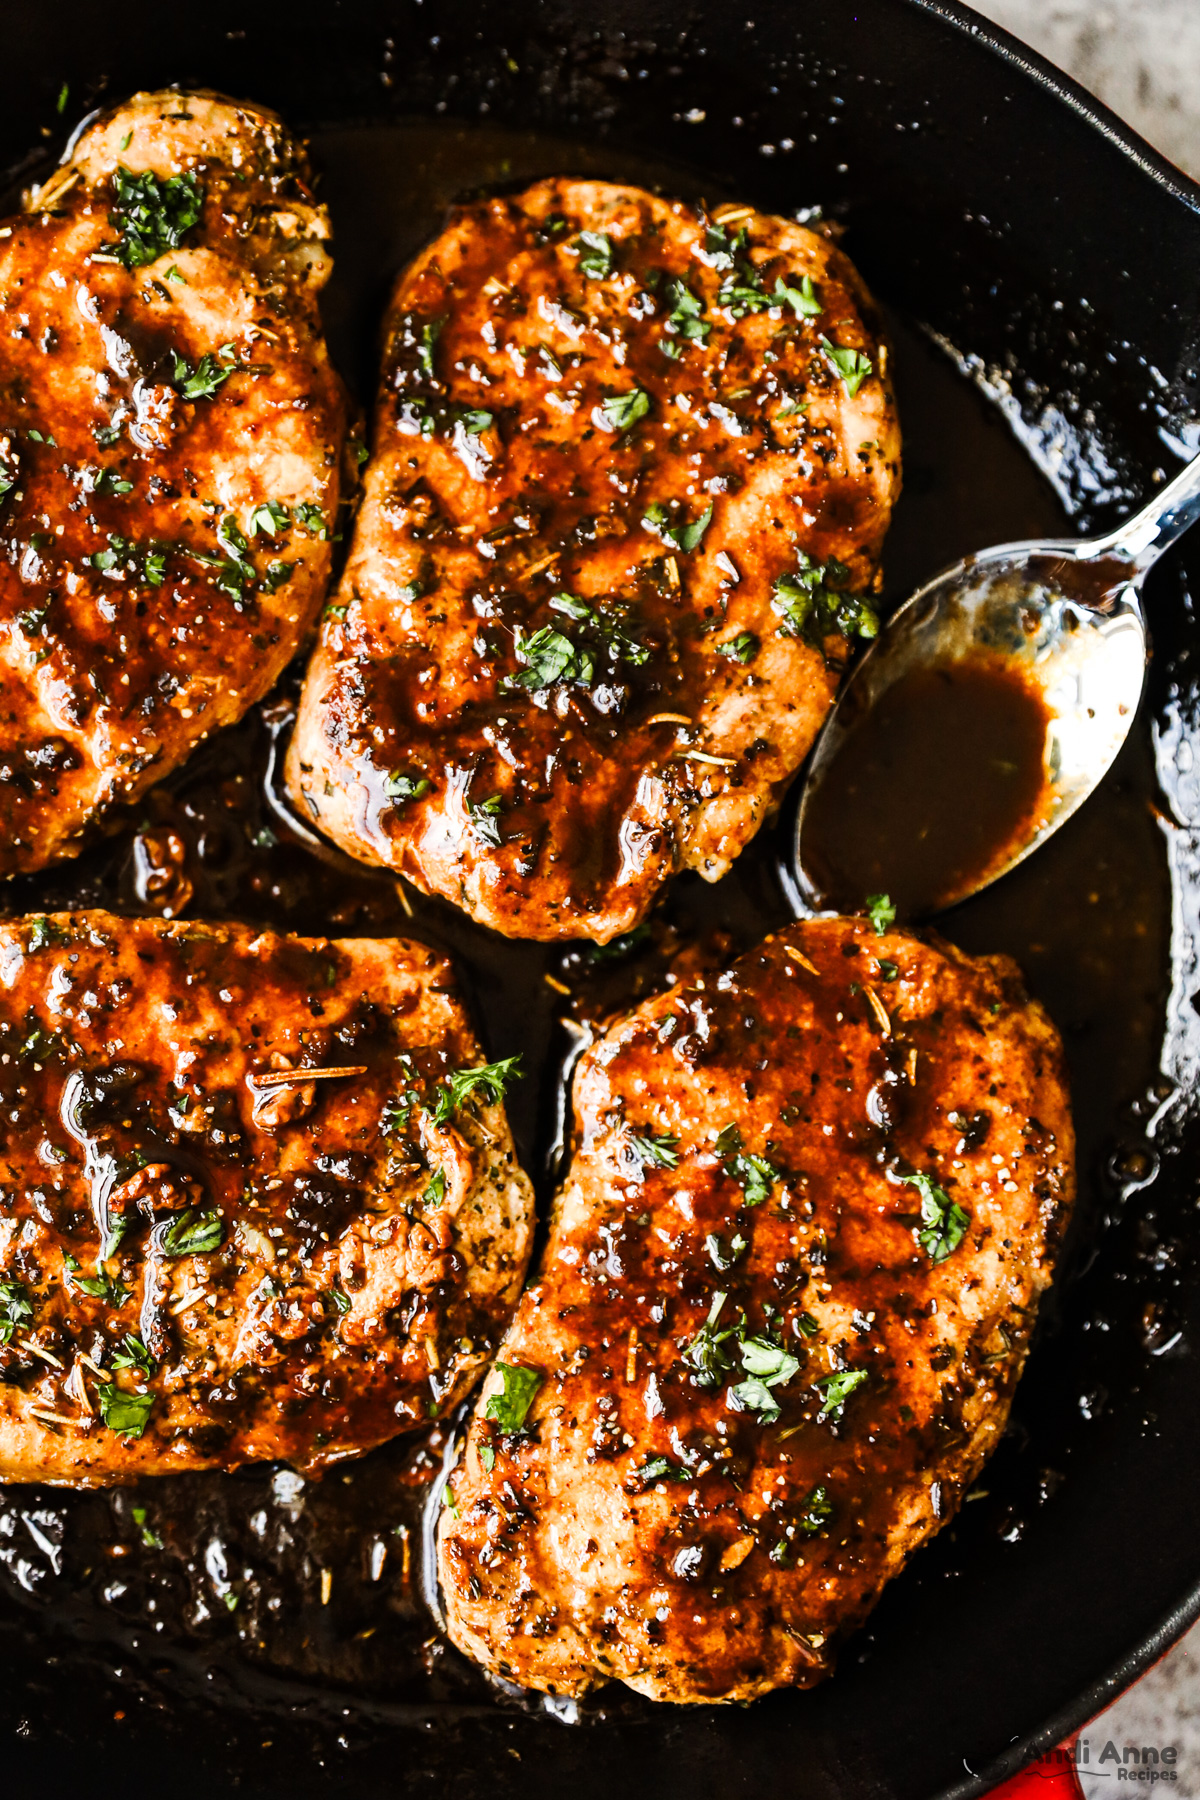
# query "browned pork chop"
(788, 1292)
(170, 433)
(257, 1198)
(632, 470)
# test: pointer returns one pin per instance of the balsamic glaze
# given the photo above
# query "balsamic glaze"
(294, 1590)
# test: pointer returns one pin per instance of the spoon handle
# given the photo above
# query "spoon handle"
(1144, 537)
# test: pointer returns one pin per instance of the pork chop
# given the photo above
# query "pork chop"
(787, 1295)
(170, 435)
(259, 1197)
(632, 469)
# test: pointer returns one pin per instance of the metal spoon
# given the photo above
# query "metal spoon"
(1070, 613)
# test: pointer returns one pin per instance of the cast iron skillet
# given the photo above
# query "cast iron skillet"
(999, 209)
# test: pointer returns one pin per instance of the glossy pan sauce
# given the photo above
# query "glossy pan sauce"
(288, 1586)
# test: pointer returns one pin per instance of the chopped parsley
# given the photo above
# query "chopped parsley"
(678, 537)
(656, 1150)
(811, 606)
(686, 318)
(549, 656)
(430, 332)
(852, 365)
(660, 1468)
(193, 1233)
(817, 1512)
(944, 1222)
(768, 1365)
(436, 1190)
(490, 1081)
(311, 519)
(705, 1354)
(146, 563)
(401, 786)
(722, 1255)
(472, 419)
(743, 648)
(836, 1389)
(16, 1310)
(97, 1287)
(270, 518)
(339, 1300)
(484, 819)
(619, 411)
(152, 216)
(607, 625)
(888, 971)
(510, 1407)
(126, 1413)
(133, 1354)
(202, 382)
(802, 300)
(595, 253)
(881, 913)
(755, 1175)
(43, 933)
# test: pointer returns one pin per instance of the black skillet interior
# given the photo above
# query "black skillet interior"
(188, 1646)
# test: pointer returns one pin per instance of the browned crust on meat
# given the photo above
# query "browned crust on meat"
(750, 1548)
(357, 1261)
(499, 483)
(131, 622)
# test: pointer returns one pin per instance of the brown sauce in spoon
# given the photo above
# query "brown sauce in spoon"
(938, 784)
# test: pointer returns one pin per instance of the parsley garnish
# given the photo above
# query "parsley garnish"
(817, 1512)
(944, 1221)
(656, 1150)
(152, 216)
(881, 913)
(43, 933)
(125, 557)
(607, 625)
(16, 1311)
(679, 537)
(202, 382)
(270, 518)
(134, 1355)
(472, 420)
(743, 648)
(550, 657)
(619, 411)
(720, 251)
(339, 1300)
(193, 1233)
(722, 1255)
(802, 300)
(768, 1365)
(811, 606)
(595, 254)
(852, 365)
(490, 1081)
(126, 1413)
(97, 1287)
(836, 1389)
(888, 971)
(400, 786)
(705, 1354)
(311, 519)
(430, 333)
(755, 1174)
(661, 1468)
(510, 1408)
(484, 818)
(436, 1190)
(686, 318)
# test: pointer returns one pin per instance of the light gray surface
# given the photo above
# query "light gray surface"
(1142, 58)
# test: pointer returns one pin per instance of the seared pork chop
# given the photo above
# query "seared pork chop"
(633, 466)
(170, 434)
(788, 1292)
(259, 1197)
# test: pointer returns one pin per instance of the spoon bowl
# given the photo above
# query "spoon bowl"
(900, 800)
